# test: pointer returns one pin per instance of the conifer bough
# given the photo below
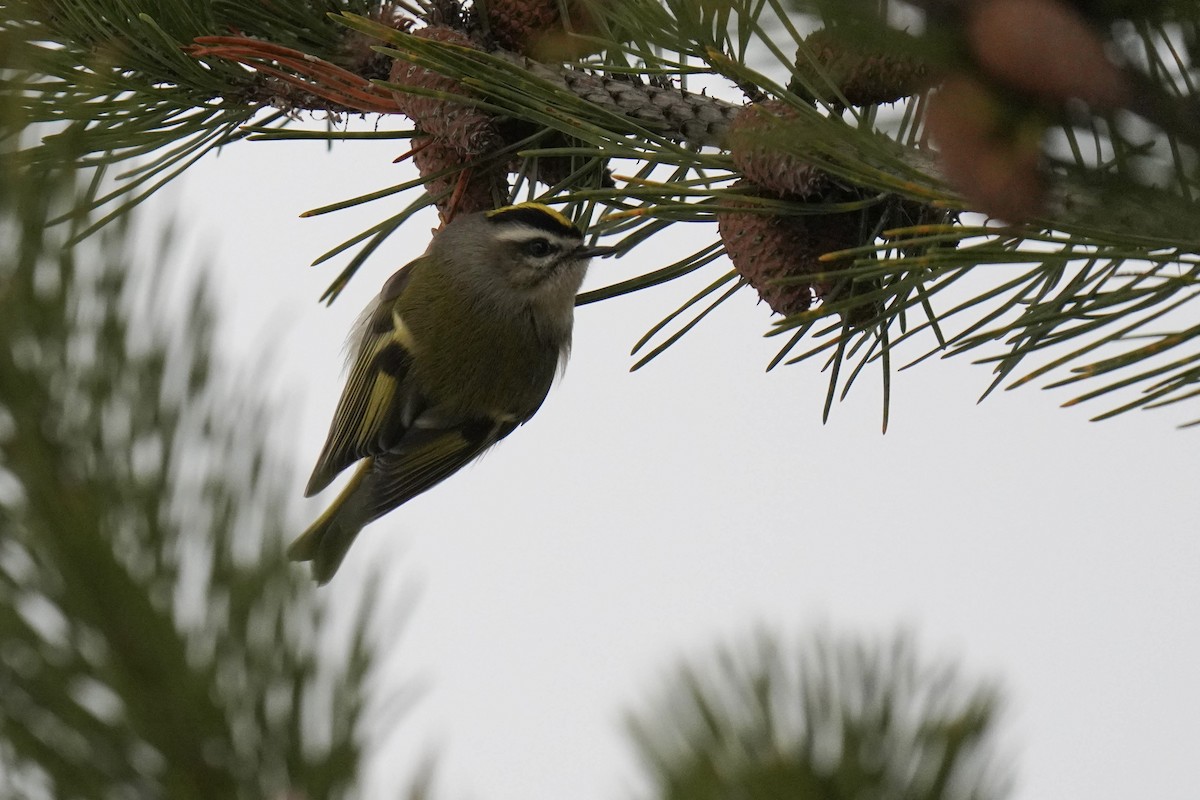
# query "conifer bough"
(1102, 231)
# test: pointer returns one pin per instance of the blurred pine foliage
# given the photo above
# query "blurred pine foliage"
(153, 640)
(821, 717)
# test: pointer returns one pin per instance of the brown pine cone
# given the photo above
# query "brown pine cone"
(988, 152)
(1046, 48)
(458, 125)
(752, 140)
(483, 187)
(770, 251)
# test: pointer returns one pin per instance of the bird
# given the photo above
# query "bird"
(458, 349)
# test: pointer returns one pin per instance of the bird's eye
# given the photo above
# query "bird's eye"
(538, 248)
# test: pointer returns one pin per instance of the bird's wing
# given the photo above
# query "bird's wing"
(427, 457)
(378, 404)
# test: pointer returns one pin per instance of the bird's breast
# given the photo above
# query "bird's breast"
(498, 366)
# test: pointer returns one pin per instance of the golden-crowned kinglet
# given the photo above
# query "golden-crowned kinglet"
(459, 348)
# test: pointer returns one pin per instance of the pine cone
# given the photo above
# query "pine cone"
(552, 171)
(357, 51)
(535, 28)
(1046, 48)
(988, 151)
(752, 139)
(865, 75)
(483, 185)
(768, 251)
(458, 125)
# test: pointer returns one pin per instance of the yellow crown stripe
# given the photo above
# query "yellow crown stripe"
(557, 216)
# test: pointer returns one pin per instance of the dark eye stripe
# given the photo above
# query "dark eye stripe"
(522, 235)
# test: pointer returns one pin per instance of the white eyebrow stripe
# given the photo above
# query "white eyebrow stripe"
(516, 232)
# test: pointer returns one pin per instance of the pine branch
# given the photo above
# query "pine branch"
(834, 209)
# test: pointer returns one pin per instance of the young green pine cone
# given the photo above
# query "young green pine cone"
(864, 73)
(536, 28)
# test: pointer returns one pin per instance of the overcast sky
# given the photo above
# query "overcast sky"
(642, 517)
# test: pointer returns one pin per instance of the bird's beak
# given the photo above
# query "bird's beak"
(594, 252)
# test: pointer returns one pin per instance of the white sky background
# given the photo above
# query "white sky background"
(642, 517)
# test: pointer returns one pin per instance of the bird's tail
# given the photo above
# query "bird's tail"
(327, 540)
